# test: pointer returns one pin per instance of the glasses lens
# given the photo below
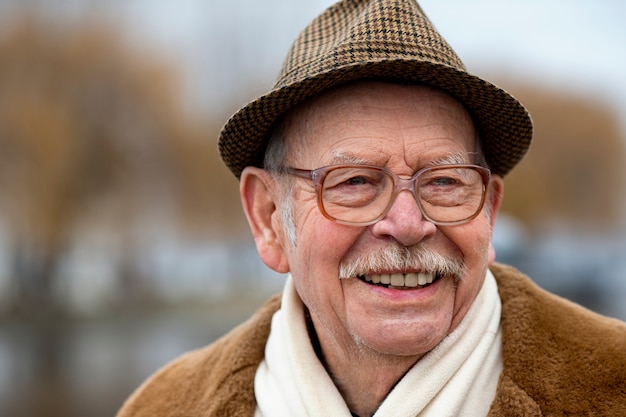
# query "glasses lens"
(450, 195)
(356, 194)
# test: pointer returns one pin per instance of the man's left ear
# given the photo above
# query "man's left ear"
(258, 197)
(495, 193)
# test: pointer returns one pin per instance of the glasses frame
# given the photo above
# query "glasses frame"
(318, 175)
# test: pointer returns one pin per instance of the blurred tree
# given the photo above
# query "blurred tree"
(92, 135)
(92, 132)
(574, 174)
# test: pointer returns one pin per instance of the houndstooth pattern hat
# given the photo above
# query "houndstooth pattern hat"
(377, 39)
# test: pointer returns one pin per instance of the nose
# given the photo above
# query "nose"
(404, 222)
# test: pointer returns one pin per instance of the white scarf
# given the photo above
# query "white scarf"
(457, 378)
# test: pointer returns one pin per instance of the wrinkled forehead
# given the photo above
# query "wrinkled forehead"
(342, 109)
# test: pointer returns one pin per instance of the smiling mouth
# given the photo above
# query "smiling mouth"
(399, 281)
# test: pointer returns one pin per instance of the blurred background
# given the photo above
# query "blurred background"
(122, 241)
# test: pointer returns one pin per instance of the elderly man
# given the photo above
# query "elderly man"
(372, 175)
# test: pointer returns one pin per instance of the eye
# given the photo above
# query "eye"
(354, 187)
(449, 178)
(361, 180)
(353, 177)
(443, 181)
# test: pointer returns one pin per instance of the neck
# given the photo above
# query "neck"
(363, 376)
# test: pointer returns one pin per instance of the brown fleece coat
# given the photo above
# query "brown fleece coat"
(559, 360)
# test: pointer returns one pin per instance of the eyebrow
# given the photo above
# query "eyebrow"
(346, 158)
(455, 158)
(452, 159)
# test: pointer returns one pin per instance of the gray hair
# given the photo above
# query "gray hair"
(274, 162)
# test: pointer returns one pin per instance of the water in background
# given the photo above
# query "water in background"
(88, 362)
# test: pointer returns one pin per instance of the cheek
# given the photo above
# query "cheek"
(315, 261)
(474, 242)
(321, 243)
(321, 247)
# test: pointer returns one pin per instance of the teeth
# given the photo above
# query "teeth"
(424, 279)
(401, 280)
(411, 280)
(397, 280)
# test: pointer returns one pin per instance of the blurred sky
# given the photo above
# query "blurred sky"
(566, 43)
(231, 50)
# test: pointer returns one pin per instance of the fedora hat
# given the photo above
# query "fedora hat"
(377, 39)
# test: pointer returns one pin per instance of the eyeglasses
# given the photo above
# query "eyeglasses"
(361, 195)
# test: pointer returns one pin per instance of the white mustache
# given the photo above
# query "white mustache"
(400, 258)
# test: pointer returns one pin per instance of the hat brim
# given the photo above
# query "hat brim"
(503, 124)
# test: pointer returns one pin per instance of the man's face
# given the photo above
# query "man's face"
(402, 128)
